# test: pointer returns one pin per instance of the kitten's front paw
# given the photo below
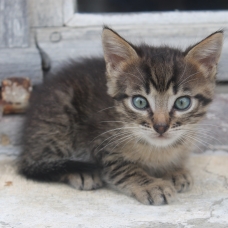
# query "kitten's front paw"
(157, 193)
(182, 180)
(85, 181)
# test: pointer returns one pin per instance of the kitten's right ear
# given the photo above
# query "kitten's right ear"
(116, 49)
(207, 52)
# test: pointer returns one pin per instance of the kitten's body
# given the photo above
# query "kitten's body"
(78, 133)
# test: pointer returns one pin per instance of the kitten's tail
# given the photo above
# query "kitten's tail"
(54, 170)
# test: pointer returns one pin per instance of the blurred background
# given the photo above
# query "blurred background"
(149, 5)
(31, 30)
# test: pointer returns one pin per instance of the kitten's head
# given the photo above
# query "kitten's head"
(161, 92)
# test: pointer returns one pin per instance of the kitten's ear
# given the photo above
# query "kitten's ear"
(207, 52)
(116, 49)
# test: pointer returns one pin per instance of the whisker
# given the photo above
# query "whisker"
(187, 78)
(130, 74)
(192, 130)
(112, 137)
(140, 74)
(106, 108)
(205, 125)
(129, 138)
(194, 144)
(114, 121)
(183, 71)
(188, 81)
(198, 140)
(119, 142)
(197, 130)
(198, 133)
(119, 128)
(205, 135)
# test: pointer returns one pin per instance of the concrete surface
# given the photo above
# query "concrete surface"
(25, 203)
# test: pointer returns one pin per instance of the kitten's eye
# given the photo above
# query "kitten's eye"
(140, 102)
(182, 103)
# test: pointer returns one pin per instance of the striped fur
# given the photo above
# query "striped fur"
(82, 128)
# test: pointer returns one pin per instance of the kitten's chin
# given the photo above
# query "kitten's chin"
(162, 141)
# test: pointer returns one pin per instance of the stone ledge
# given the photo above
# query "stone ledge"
(26, 203)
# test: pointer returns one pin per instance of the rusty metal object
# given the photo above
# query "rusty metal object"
(4, 140)
(15, 93)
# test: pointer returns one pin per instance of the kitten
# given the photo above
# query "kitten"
(127, 120)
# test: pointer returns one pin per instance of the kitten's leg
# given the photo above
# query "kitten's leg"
(134, 181)
(181, 179)
(80, 175)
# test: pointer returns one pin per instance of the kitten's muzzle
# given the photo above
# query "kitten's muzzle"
(161, 128)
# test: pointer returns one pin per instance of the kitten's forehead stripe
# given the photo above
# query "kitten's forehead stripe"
(168, 84)
(174, 78)
(147, 73)
(161, 69)
(153, 83)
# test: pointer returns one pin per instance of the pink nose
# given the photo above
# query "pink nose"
(161, 128)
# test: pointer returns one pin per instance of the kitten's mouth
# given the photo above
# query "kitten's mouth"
(160, 140)
(162, 137)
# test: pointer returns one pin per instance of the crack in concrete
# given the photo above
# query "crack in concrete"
(217, 202)
(200, 223)
(204, 222)
(225, 179)
(156, 225)
(5, 225)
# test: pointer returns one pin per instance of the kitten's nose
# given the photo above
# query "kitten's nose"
(161, 128)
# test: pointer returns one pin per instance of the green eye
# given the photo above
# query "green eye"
(140, 102)
(182, 103)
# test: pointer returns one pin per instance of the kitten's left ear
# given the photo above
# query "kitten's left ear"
(116, 49)
(207, 52)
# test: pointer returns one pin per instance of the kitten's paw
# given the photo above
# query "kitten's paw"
(182, 180)
(85, 181)
(158, 193)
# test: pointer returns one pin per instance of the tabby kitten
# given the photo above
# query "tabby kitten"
(127, 120)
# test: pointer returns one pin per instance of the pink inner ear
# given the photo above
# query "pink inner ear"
(115, 60)
(209, 61)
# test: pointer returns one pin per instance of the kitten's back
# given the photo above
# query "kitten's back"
(61, 116)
